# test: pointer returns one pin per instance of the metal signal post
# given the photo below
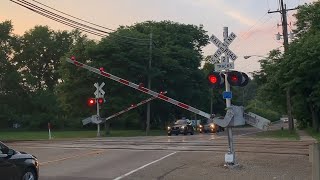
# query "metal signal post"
(230, 157)
(99, 93)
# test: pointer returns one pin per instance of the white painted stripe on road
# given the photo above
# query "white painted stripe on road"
(133, 171)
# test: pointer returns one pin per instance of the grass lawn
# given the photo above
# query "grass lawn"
(279, 134)
(39, 135)
(314, 134)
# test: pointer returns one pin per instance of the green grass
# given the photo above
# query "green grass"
(40, 135)
(279, 134)
(314, 134)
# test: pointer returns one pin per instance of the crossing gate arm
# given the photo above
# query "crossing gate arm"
(101, 72)
(131, 107)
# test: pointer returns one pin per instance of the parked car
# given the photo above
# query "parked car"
(209, 126)
(15, 165)
(182, 126)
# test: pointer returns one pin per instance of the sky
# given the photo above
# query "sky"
(255, 28)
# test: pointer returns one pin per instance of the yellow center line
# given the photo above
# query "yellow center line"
(71, 157)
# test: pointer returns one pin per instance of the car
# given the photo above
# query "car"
(15, 165)
(209, 126)
(284, 119)
(182, 126)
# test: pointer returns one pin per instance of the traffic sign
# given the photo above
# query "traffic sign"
(223, 48)
(223, 66)
(227, 95)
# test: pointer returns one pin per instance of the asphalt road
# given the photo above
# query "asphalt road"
(176, 157)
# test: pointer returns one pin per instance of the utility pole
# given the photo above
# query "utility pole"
(149, 86)
(283, 11)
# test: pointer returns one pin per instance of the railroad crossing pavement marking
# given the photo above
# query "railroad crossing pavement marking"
(135, 170)
(71, 157)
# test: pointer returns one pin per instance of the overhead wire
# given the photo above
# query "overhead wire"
(58, 16)
(60, 21)
(237, 47)
(73, 16)
(242, 37)
(52, 14)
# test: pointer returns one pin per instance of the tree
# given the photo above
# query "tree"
(297, 69)
(12, 94)
(175, 65)
(303, 64)
(38, 57)
(76, 84)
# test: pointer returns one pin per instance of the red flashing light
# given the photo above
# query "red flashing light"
(234, 78)
(101, 69)
(91, 101)
(100, 101)
(73, 58)
(213, 79)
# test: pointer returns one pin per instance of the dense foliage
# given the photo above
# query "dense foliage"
(38, 86)
(297, 69)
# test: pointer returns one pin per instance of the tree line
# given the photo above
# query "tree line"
(38, 86)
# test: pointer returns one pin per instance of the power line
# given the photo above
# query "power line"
(61, 21)
(237, 47)
(58, 16)
(242, 37)
(72, 16)
(34, 8)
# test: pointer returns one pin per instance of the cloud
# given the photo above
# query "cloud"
(228, 10)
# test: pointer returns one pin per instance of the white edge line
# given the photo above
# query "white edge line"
(133, 171)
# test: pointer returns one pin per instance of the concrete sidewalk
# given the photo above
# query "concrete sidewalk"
(304, 136)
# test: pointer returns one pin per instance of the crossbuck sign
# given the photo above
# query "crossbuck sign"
(99, 92)
(223, 48)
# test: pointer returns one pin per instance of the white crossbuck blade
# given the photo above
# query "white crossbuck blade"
(152, 93)
(223, 48)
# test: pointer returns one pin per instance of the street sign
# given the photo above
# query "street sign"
(99, 92)
(227, 95)
(223, 66)
(256, 121)
(223, 48)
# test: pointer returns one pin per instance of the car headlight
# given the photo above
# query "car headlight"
(182, 127)
(200, 126)
(212, 125)
(169, 127)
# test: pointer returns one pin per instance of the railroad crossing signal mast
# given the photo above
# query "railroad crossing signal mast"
(221, 76)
